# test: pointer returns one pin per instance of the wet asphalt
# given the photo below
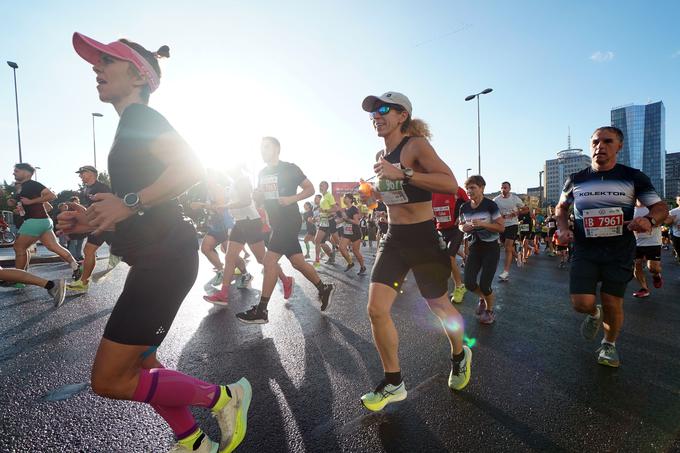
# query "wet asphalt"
(535, 382)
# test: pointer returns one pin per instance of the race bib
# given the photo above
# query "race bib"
(347, 229)
(551, 225)
(605, 222)
(442, 213)
(392, 191)
(269, 185)
(324, 222)
(524, 227)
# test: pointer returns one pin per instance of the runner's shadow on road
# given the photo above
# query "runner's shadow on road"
(288, 402)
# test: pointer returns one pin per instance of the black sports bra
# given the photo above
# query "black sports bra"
(395, 192)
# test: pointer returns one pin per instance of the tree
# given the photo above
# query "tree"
(104, 177)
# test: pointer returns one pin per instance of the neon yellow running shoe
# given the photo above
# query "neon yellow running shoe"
(383, 395)
(78, 285)
(458, 294)
(460, 372)
(233, 417)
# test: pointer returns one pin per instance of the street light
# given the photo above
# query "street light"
(540, 183)
(94, 141)
(36, 172)
(14, 67)
(467, 173)
(479, 149)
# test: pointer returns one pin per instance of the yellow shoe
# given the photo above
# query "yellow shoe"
(460, 372)
(78, 285)
(233, 418)
(384, 395)
(458, 294)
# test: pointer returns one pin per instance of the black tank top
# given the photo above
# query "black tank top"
(413, 194)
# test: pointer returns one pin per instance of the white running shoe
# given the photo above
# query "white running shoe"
(504, 276)
(233, 417)
(207, 446)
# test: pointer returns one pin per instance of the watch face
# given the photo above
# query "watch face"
(131, 199)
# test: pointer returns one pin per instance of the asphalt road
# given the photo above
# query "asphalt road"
(535, 385)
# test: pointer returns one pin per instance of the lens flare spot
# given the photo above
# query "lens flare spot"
(396, 284)
(470, 342)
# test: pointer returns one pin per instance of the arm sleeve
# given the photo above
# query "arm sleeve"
(644, 190)
(494, 211)
(297, 174)
(567, 195)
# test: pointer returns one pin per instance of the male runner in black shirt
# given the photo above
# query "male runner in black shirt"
(277, 185)
(88, 175)
(604, 197)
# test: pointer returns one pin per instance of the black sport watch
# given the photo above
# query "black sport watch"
(132, 201)
(408, 174)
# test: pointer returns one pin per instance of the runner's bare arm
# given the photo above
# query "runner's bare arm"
(45, 196)
(307, 190)
(562, 213)
(437, 177)
(658, 211)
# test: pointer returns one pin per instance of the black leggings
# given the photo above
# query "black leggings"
(482, 256)
(676, 244)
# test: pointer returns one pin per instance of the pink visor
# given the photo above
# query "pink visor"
(90, 50)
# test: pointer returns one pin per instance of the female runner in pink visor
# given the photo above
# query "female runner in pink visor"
(150, 165)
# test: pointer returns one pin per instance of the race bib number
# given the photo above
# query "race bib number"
(269, 185)
(348, 229)
(605, 222)
(551, 225)
(324, 222)
(442, 213)
(392, 191)
(524, 227)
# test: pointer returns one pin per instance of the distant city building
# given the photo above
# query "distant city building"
(534, 195)
(672, 174)
(557, 171)
(644, 133)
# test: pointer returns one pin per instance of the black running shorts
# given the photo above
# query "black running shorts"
(510, 233)
(611, 265)
(419, 248)
(453, 238)
(284, 238)
(247, 231)
(651, 253)
(151, 297)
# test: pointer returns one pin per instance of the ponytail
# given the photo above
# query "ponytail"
(415, 127)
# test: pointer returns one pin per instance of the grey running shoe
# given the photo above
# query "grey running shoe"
(460, 372)
(591, 325)
(608, 356)
(58, 292)
(481, 307)
(244, 280)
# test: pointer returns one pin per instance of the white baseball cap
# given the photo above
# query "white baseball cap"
(391, 97)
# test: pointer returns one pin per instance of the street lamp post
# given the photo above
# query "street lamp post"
(14, 67)
(540, 183)
(467, 173)
(479, 146)
(36, 172)
(94, 141)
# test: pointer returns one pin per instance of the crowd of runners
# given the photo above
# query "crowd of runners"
(609, 225)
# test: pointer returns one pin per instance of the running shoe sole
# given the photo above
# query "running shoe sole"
(60, 293)
(241, 417)
(401, 396)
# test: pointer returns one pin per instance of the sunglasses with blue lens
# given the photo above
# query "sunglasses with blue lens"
(384, 109)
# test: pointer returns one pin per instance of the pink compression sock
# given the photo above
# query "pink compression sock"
(171, 388)
(180, 419)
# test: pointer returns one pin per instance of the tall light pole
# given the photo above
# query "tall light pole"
(36, 172)
(479, 146)
(467, 173)
(540, 183)
(94, 141)
(14, 67)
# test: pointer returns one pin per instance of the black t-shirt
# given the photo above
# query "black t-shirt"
(88, 191)
(280, 180)
(161, 230)
(603, 200)
(381, 206)
(308, 216)
(525, 219)
(32, 189)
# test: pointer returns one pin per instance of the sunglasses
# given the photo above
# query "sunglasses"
(385, 109)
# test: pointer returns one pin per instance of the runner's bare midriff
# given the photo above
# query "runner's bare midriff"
(408, 214)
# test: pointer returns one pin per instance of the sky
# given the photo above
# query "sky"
(298, 71)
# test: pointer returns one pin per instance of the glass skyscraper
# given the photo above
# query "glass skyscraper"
(644, 145)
